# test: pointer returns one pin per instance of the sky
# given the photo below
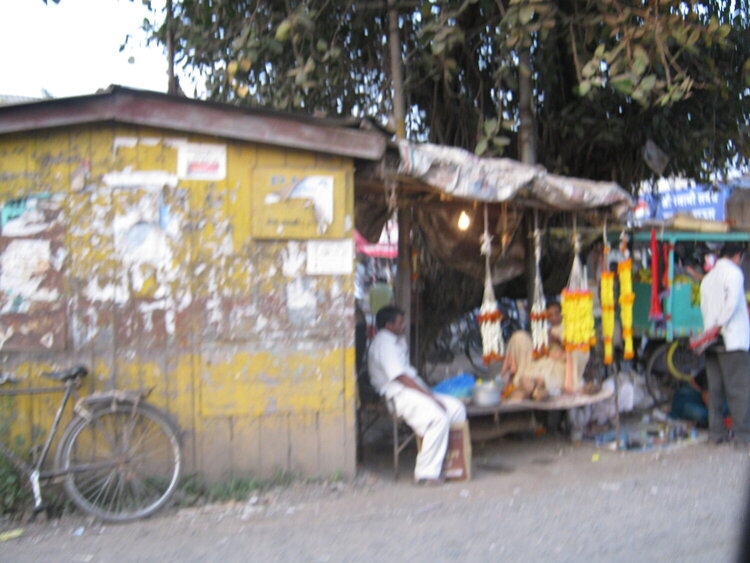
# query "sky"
(72, 48)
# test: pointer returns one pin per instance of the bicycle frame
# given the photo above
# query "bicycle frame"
(34, 472)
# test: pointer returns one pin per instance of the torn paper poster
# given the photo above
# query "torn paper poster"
(24, 266)
(316, 189)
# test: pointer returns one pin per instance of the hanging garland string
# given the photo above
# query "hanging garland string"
(577, 304)
(538, 314)
(627, 297)
(607, 299)
(489, 317)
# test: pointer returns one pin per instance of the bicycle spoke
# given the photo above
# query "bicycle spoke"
(95, 479)
(147, 443)
(116, 494)
(90, 483)
(139, 443)
(104, 487)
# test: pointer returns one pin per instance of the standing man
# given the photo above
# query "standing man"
(430, 415)
(727, 367)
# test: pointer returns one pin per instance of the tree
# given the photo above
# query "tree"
(607, 75)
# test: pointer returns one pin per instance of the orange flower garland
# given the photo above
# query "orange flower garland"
(489, 317)
(489, 325)
(540, 332)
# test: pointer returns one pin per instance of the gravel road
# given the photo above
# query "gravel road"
(539, 499)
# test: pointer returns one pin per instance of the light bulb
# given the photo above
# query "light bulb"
(464, 221)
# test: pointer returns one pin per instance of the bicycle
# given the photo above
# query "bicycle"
(119, 457)
(668, 365)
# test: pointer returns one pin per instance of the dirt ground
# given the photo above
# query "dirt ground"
(530, 499)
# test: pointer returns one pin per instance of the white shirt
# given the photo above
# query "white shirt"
(723, 304)
(387, 358)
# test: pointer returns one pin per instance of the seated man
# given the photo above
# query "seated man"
(430, 415)
(541, 377)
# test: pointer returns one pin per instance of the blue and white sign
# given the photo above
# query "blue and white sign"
(701, 202)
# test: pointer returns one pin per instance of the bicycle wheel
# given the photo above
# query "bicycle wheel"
(682, 362)
(659, 381)
(123, 462)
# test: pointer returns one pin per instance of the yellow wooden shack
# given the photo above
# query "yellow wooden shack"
(198, 249)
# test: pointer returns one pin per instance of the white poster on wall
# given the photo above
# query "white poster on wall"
(330, 257)
(24, 265)
(201, 161)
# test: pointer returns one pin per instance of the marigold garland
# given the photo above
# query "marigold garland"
(627, 298)
(578, 319)
(607, 297)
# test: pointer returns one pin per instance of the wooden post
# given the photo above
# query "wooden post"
(404, 272)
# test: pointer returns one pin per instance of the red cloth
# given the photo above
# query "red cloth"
(655, 313)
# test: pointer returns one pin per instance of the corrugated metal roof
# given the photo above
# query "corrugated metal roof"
(140, 107)
(7, 100)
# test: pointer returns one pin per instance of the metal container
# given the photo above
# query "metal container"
(486, 394)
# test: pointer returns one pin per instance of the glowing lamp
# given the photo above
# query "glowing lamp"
(464, 221)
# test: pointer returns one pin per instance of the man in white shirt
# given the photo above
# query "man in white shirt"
(728, 368)
(429, 414)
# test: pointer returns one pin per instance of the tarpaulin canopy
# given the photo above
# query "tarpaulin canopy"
(461, 174)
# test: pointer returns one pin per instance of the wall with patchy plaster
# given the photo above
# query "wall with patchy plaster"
(135, 251)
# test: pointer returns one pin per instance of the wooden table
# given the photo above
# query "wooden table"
(500, 428)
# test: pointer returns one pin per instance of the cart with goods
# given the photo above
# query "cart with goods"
(666, 310)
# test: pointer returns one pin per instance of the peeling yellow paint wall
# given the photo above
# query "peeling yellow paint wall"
(131, 250)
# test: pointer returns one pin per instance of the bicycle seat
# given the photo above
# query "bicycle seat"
(70, 373)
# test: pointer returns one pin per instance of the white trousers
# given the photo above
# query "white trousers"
(430, 422)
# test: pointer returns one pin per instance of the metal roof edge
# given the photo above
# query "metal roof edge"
(154, 109)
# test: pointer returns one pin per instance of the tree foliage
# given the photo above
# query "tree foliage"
(607, 75)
